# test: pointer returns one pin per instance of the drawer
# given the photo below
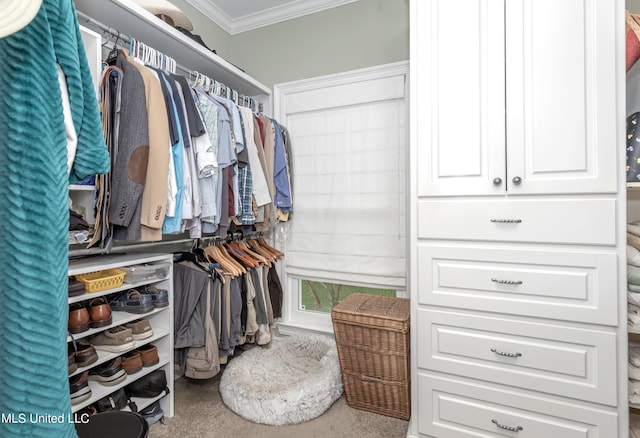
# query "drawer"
(569, 221)
(559, 360)
(558, 284)
(450, 408)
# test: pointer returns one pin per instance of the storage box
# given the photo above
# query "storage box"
(148, 272)
(372, 337)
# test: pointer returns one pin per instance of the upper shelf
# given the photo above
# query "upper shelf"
(132, 20)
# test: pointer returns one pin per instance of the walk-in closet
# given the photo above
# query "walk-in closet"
(305, 218)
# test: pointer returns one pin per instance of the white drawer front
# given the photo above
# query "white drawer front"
(566, 285)
(565, 361)
(448, 408)
(570, 221)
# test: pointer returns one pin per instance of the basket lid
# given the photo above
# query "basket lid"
(391, 308)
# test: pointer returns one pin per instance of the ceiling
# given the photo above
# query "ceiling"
(236, 16)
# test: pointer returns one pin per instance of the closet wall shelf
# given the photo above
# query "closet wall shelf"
(125, 286)
(160, 319)
(82, 188)
(158, 333)
(99, 263)
(633, 185)
(132, 20)
(119, 318)
(98, 391)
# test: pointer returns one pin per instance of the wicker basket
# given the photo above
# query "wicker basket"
(372, 337)
(101, 280)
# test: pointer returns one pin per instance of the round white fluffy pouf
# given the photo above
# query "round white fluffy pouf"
(294, 380)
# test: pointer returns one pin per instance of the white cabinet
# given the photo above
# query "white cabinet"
(541, 356)
(517, 210)
(560, 284)
(461, 408)
(160, 319)
(515, 97)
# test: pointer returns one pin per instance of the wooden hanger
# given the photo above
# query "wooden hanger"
(250, 251)
(262, 251)
(223, 254)
(239, 256)
(214, 257)
(265, 245)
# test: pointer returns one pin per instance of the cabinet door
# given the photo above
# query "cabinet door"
(460, 97)
(561, 96)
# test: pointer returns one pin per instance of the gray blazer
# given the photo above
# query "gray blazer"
(130, 164)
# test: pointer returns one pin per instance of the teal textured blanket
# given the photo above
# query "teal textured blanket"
(34, 214)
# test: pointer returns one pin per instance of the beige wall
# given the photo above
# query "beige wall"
(213, 35)
(633, 6)
(361, 34)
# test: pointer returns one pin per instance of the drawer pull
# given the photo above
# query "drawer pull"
(506, 221)
(503, 353)
(495, 280)
(505, 427)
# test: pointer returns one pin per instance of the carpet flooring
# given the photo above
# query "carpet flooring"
(200, 412)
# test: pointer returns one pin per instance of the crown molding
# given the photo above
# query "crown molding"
(294, 9)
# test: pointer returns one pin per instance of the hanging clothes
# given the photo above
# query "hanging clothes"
(130, 164)
(224, 165)
(154, 194)
(282, 198)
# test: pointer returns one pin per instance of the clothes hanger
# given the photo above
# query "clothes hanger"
(252, 253)
(214, 255)
(240, 256)
(267, 256)
(192, 257)
(225, 253)
(214, 267)
(113, 54)
(269, 248)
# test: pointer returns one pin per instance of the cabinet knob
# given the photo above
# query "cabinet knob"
(497, 181)
(516, 180)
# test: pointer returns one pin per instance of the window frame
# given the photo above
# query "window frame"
(294, 319)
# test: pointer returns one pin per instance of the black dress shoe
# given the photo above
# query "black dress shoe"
(109, 373)
(79, 388)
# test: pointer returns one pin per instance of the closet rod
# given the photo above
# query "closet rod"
(125, 38)
(116, 33)
(102, 26)
(129, 248)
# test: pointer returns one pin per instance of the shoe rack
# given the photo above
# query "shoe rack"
(161, 320)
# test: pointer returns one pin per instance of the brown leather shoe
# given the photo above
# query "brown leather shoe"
(78, 318)
(100, 312)
(132, 362)
(85, 354)
(149, 355)
(73, 366)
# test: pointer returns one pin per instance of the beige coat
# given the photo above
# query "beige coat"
(154, 195)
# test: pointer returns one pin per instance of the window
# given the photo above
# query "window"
(319, 296)
(349, 139)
